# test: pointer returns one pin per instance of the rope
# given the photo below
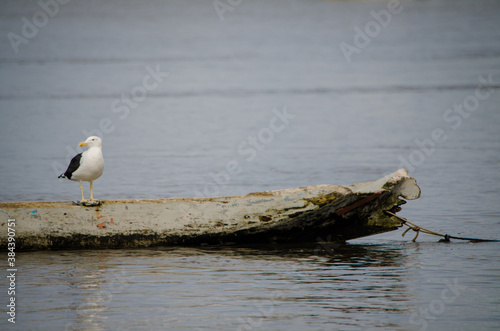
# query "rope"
(418, 229)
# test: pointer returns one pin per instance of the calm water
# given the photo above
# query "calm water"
(177, 94)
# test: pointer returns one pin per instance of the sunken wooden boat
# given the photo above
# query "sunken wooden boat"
(299, 215)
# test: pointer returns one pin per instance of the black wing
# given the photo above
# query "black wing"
(73, 165)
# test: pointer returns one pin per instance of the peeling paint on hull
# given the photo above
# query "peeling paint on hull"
(283, 216)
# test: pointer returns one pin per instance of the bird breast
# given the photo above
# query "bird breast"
(91, 165)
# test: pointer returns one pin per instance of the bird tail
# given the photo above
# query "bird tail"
(62, 176)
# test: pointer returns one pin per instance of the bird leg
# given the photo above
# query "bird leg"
(81, 189)
(91, 191)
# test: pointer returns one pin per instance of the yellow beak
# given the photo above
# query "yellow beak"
(83, 144)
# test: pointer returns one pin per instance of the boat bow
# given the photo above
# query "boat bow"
(304, 214)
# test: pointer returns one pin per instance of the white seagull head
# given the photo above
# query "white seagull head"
(92, 141)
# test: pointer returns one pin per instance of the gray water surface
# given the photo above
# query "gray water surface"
(421, 92)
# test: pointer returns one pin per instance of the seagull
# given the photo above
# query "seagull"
(86, 166)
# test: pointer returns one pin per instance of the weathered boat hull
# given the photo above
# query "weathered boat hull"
(306, 214)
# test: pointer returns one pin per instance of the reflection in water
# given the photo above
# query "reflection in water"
(95, 283)
(227, 287)
(354, 286)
